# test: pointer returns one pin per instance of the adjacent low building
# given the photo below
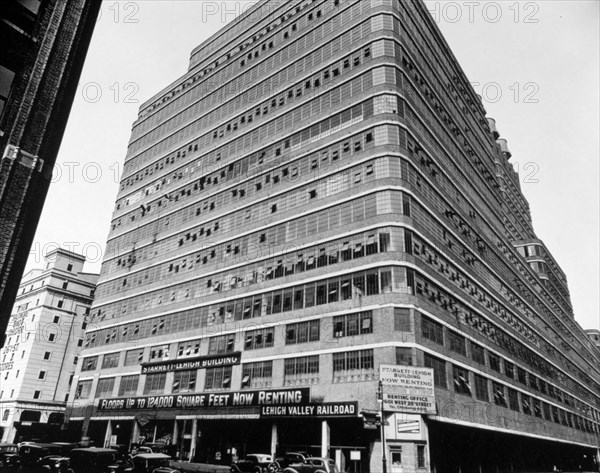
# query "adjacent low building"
(44, 337)
(321, 196)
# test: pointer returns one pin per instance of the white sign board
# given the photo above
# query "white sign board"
(407, 389)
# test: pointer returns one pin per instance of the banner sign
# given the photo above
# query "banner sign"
(195, 363)
(325, 409)
(408, 389)
(298, 396)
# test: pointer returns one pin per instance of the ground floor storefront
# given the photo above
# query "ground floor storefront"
(463, 449)
(220, 440)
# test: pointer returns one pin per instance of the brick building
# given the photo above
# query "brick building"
(44, 43)
(43, 341)
(321, 194)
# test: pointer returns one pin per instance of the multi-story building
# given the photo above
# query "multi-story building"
(44, 43)
(321, 194)
(43, 341)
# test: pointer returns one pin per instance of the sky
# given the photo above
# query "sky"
(535, 64)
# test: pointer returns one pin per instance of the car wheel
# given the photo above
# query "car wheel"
(258, 469)
(273, 467)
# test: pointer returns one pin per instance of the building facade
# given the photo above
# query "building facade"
(319, 195)
(43, 341)
(44, 43)
(594, 335)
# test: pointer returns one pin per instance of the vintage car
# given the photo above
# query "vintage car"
(55, 464)
(152, 463)
(291, 457)
(96, 460)
(255, 463)
(313, 465)
(9, 458)
(31, 455)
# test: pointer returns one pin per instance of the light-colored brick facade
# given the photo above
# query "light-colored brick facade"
(43, 341)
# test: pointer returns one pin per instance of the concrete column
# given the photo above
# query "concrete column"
(135, 433)
(154, 434)
(175, 432)
(325, 439)
(194, 438)
(108, 434)
(274, 439)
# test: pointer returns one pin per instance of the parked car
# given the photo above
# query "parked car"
(152, 463)
(291, 457)
(55, 464)
(255, 463)
(313, 465)
(32, 454)
(9, 457)
(149, 448)
(97, 460)
(65, 447)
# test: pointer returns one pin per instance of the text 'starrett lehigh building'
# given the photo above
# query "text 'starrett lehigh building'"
(44, 43)
(319, 195)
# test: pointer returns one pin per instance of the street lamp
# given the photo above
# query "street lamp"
(382, 424)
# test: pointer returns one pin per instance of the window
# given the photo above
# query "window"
(111, 360)
(42, 375)
(134, 357)
(461, 380)
(303, 369)
(499, 396)
(481, 388)
(257, 375)
(5, 414)
(526, 403)
(47, 355)
(420, 456)
(129, 385)
(84, 389)
(218, 378)
(509, 369)
(439, 370)
(262, 338)
(494, 362)
(59, 304)
(105, 387)
(221, 344)
(155, 383)
(56, 319)
(432, 330)
(458, 343)
(477, 353)
(69, 267)
(513, 399)
(184, 381)
(89, 363)
(522, 376)
(396, 456)
(404, 356)
(353, 360)
(37, 394)
(402, 319)
(189, 348)
(51, 337)
(159, 352)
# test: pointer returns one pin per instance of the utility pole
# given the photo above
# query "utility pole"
(382, 425)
